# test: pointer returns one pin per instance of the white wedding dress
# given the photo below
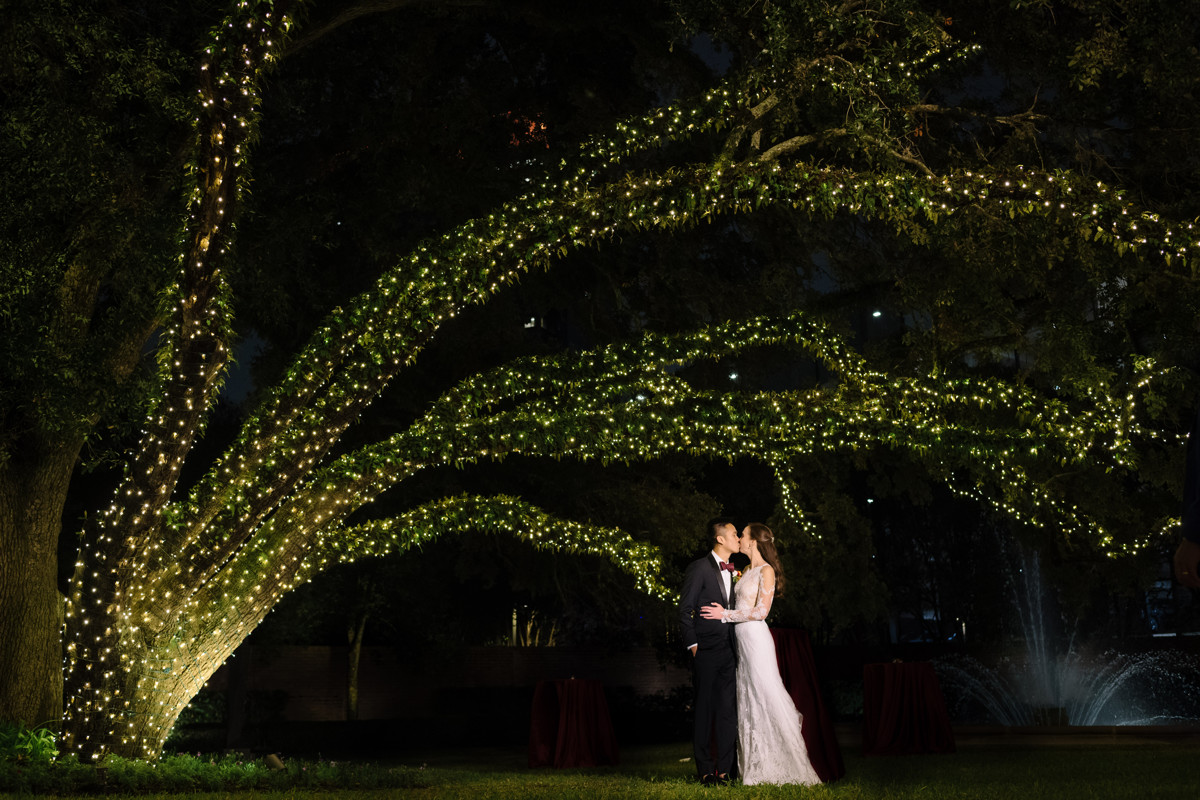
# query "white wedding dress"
(770, 746)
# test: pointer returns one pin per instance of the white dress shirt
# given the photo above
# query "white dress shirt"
(726, 576)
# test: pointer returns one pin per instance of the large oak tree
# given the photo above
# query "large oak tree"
(876, 130)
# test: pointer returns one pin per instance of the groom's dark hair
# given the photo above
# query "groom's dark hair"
(714, 526)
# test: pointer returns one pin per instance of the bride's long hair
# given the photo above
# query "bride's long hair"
(766, 545)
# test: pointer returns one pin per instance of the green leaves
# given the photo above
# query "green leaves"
(27, 745)
(504, 516)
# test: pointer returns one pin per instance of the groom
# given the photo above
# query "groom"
(711, 642)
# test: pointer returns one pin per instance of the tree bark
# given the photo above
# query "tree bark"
(32, 494)
(353, 658)
(156, 689)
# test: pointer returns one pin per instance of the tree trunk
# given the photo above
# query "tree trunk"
(353, 657)
(32, 494)
(147, 691)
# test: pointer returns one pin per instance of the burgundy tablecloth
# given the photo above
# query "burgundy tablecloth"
(569, 725)
(904, 711)
(793, 649)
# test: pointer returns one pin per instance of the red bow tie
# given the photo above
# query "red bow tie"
(729, 567)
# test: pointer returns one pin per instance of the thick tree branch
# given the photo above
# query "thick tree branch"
(1014, 120)
(796, 142)
(196, 350)
(754, 118)
(315, 33)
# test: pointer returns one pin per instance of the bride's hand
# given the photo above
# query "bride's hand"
(712, 611)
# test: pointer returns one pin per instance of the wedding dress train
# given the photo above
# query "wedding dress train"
(770, 745)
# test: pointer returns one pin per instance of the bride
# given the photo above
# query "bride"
(770, 746)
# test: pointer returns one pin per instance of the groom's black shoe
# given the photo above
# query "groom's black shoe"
(722, 780)
(709, 780)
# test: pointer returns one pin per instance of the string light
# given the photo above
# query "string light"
(172, 585)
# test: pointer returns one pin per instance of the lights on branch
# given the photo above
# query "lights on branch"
(175, 584)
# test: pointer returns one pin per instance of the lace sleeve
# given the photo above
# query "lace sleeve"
(766, 593)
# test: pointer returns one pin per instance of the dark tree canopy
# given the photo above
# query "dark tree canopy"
(848, 242)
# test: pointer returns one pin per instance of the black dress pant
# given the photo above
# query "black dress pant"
(714, 677)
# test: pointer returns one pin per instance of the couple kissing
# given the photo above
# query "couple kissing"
(740, 701)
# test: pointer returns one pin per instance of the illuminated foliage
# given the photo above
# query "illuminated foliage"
(171, 580)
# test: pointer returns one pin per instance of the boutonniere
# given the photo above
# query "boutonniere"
(735, 576)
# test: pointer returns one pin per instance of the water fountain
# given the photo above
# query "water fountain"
(1059, 682)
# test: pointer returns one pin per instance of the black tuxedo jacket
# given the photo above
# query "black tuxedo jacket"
(702, 585)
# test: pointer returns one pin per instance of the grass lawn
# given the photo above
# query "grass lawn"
(1002, 771)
